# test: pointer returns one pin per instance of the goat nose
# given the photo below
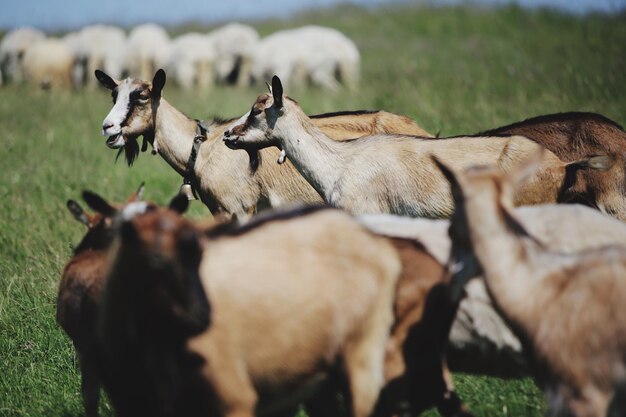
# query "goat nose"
(227, 133)
(105, 126)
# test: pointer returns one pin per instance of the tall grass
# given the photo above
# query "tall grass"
(455, 70)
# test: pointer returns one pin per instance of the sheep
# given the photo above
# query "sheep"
(48, 64)
(565, 307)
(222, 177)
(191, 61)
(98, 46)
(12, 50)
(320, 54)
(147, 49)
(226, 340)
(386, 174)
(234, 44)
(80, 290)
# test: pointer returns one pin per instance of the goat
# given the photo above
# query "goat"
(80, 290)
(12, 48)
(577, 135)
(221, 177)
(182, 314)
(566, 308)
(313, 53)
(383, 173)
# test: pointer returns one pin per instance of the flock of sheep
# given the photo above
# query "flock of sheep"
(421, 257)
(233, 54)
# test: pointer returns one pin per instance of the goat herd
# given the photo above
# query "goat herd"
(233, 54)
(254, 314)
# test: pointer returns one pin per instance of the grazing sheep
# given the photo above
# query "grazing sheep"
(99, 46)
(234, 45)
(147, 49)
(80, 291)
(222, 178)
(319, 54)
(382, 173)
(12, 49)
(191, 61)
(566, 308)
(48, 64)
(188, 327)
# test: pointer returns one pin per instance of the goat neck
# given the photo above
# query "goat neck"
(173, 134)
(317, 157)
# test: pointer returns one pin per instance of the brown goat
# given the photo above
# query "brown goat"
(566, 308)
(316, 301)
(576, 136)
(80, 291)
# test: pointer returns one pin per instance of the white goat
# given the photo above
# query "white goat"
(48, 64)
(311, 52)
(192, 60)
(567, 308)
(381, 173)
(234, 45)
(12, 49)
(148, 49)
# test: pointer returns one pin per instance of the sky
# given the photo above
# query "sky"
(71, 14)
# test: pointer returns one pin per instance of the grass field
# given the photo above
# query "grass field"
(455, 70)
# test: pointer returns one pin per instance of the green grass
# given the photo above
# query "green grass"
(455, 70)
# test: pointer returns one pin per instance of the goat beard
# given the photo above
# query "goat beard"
(131, 149)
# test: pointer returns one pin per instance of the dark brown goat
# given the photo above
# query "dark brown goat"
(80, 290)
(575, 136)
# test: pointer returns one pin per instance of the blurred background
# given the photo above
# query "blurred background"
(456, 67)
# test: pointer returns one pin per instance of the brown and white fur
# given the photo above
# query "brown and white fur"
(383, 174)
(566, 308)
(316, 300)
(80, 291)
(222, 178)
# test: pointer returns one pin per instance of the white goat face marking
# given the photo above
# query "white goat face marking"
(134, 209)
(112, 124)
(238, 122)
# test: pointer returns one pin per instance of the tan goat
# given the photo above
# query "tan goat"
(316, 300)
(80, 290)
(222, 178)
(567, 308)
(383, 173)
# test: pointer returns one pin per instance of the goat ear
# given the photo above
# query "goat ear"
(180, 203)
(277, 92)
(106, 80)
(78, 212)
(137, 195)
(455, 187)
(98, 204)
(158, 82)
(521, 173)
(269, 87)
(600, 162)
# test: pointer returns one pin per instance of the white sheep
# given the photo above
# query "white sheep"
(191, 60)
(12, 49)
(311, 52)
(148, 49)
(99, 46)
(48, 64)
(234, 44)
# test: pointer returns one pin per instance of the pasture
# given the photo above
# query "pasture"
(454, 70)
